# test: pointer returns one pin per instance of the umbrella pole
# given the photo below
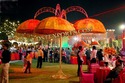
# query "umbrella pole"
(60, 74)
(60, 60)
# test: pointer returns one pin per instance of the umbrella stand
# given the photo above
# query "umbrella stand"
(60, 74)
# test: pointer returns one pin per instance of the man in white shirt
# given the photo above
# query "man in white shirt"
(93, 52)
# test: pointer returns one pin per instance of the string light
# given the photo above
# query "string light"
(9, 27)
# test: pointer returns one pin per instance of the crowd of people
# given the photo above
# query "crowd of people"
(52, 55)
(98, 58)
(42, 54)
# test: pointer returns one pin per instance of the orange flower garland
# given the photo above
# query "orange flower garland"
(109, 50)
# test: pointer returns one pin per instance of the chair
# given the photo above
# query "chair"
(106, 71)
(94, 67)
(122, 76)
(86, 77)
(101, 74)
(101, 63)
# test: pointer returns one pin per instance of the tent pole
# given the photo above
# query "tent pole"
(60, 60)
(60, 74)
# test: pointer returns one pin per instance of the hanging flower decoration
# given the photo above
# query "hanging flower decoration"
(109, 50)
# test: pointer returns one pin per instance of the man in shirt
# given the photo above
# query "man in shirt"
(114, 72)
(5, 57)
(79, 58)
(88, 52)
(68, 53)
(40, 57)
(93, 53)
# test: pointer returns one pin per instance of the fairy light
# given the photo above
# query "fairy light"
(9, 27)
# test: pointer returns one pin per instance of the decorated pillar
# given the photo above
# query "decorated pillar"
(123, 43)
(123, 40)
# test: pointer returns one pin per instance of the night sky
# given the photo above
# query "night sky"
(110, 12)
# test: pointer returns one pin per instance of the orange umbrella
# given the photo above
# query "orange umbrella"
(51, 25)
(94, 43)
(80, 43)
(28, 26)
(88, 23)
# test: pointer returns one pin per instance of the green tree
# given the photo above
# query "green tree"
(9, 27)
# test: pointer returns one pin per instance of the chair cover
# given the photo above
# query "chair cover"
(86, 77)
(94, 67)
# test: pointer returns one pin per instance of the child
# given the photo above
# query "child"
(28, 62)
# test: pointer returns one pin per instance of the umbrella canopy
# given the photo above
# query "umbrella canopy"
(51, 25)
(81, 43)
(89, 23)
(94, 43)
(27, 26)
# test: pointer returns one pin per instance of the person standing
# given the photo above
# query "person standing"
(51, 55)
(56, 55)
(80, 53)
(40, 57)
(68, 53)
(93, 53)
(100, 55)
(45, 51)
(5, 57)
(28, 61)
(88, 52)
(63, 56)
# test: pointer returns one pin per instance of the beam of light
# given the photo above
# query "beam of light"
(99, 14)
(108, 11)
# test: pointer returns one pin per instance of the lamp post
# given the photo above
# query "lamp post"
(123, 40)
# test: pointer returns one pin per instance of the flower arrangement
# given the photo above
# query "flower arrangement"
(109, 50)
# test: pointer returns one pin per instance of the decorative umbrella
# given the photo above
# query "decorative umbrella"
(28, 26)
(80, 43)
(94, 43)
(51, 25)
(88, 23)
